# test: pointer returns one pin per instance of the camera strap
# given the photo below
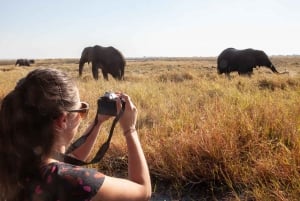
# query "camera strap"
(103, 149)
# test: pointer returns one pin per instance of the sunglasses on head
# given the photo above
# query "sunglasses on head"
(83, 110)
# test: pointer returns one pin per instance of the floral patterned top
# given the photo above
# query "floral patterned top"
(66, 182)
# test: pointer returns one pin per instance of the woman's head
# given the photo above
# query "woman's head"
(27, 113)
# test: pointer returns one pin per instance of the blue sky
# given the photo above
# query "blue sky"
(138, 28)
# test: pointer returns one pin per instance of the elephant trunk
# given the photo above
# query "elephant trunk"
(274, 69)
(81, 63)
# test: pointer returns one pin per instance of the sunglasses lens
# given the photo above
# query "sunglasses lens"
(83, 115)
(84, 110)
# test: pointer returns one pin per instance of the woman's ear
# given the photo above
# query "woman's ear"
(61, 121)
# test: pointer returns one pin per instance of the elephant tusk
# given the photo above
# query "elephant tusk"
(285, 72)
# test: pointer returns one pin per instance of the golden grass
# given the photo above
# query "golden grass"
(240, 135)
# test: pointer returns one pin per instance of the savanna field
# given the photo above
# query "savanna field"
(205, 137)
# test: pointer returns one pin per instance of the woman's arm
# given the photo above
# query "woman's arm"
(138, 184)
(84, 150)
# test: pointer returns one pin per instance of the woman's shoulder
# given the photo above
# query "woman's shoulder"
(63, 169)
(78, 180)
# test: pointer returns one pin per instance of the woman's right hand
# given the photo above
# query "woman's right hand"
(138, 184)
(129, 117)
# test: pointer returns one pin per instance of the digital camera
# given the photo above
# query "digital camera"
(107, 104)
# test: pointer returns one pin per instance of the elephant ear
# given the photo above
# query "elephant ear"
(223, 64)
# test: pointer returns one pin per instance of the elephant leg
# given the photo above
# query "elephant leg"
(105, 74)
(95, 71)
(116, 75)
(119, 76)
(250, 73)
(228, 75)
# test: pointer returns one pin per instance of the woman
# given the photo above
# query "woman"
(40, 118)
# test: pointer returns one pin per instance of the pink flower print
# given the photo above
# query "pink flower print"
(77, 168)
(80, 181)
(98, 175)
(49, 179)
(64, 169)
(87, 188)
(53, 168)
(38, 189)
(71, 179)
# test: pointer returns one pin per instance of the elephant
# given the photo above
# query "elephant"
(242, 61)
(109, 59)
(24, 62)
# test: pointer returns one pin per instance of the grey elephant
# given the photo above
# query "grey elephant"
(108, 59)
(24, 62)
(242, 61)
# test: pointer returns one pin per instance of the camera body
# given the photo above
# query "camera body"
(107, 104)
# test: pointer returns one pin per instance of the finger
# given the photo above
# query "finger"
(129, 104)
(127, 99)
(118, 104)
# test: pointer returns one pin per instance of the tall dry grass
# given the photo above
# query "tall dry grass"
(237, 138)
